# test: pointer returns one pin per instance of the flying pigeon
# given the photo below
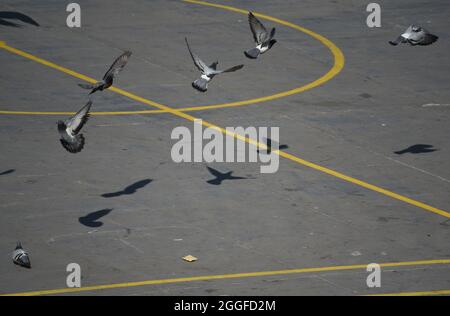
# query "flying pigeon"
(264, 40)
(415, 35)
(20, 257)
(69, 129)
(107, 81)
(208, 72)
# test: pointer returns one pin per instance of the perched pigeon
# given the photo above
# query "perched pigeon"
(20, 257)
(415, 35)
(208, 72)
(107, 81)
(264, 40)
(69, 129)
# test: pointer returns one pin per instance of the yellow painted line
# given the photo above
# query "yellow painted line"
(365, 184)
(339, 59)
(226, 276)
(66, 71)
(179, 113)
(338, 65)
(424, 293)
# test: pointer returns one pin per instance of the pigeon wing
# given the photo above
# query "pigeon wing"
(118, 65)
(258, 29)
(77, 122)
(214, 65)
(429, 39)
(229, 69)
(197, 61)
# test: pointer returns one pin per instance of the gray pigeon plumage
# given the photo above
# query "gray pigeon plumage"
(108, 78)
(208, 72)
(263, 39)
(69, 130)
(415, 35)
(21, 257)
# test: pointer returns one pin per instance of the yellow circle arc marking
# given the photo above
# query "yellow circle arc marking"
(338, 65)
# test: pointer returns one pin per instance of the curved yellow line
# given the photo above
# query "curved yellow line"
(339, 62)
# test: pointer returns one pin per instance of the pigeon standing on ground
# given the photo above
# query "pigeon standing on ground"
(69, 129)
(415, 35)
(263, 39)
(108, 78)
(208, 72)
(20, 257)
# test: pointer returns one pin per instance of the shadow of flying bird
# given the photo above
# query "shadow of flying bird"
(91, 220)
(131, 189)
(10, 15)
(272, 144)
(417, 149)
(7, 172)
(221, 176)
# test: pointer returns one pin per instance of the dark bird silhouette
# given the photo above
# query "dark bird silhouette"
(69, 130)
(20, 257)
(10, 15)
(208, 72)
(263, 39)
(91, 220)
(221, 176)
(131, 189)
(417, 149)
(108, 78)
(273, 145)
(7, 172)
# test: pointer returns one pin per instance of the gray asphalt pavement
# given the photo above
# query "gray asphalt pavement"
(385, 100)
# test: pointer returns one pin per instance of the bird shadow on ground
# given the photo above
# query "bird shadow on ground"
(10, 15)
(131, 189)
(91, 220)
(417, 149)
(272, 145)
(7, 172)
(219, 176)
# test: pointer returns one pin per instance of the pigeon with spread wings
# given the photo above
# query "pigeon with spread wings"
(263, 39)
(69, 130)
(208, 72)
(415, 35)
(108, 78)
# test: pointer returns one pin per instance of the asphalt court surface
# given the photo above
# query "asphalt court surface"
(384, 101)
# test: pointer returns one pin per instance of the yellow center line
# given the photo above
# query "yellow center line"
(226, 276)
(188, 117)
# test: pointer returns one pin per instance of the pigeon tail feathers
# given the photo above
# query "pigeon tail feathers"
(252, 53)
(74, 146)
(200, 84)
